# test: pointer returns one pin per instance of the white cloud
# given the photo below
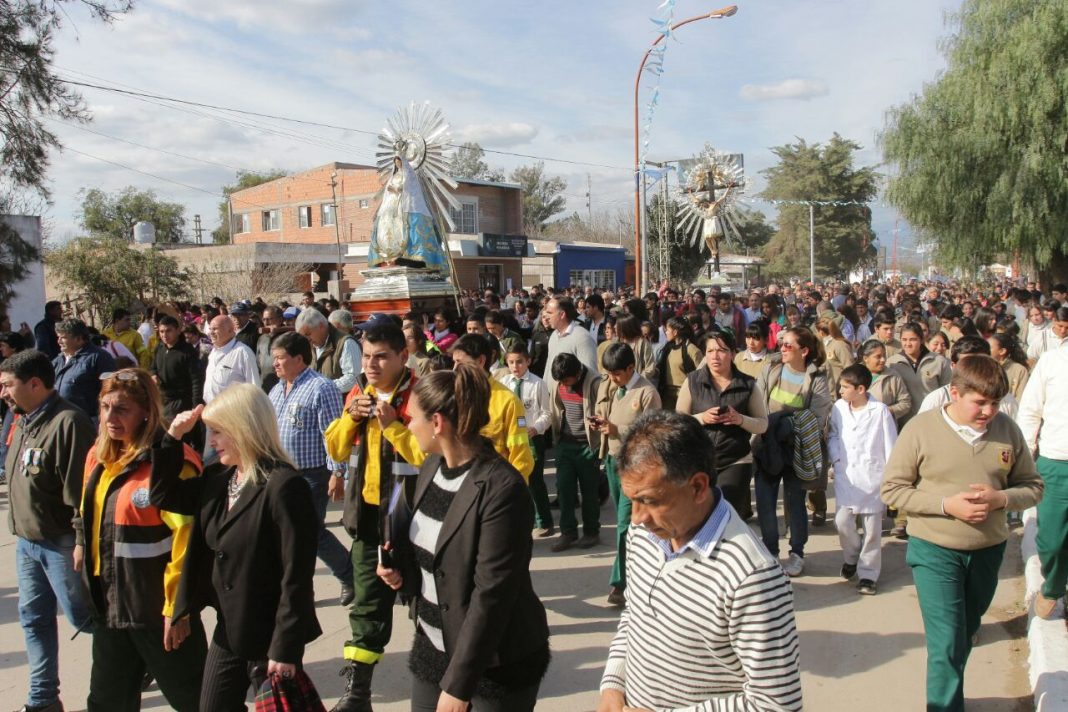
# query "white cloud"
(786, 89)
(498, 135)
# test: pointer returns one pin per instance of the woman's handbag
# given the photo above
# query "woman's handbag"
(296, 694)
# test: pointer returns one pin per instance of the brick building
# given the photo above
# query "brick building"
(301, 209)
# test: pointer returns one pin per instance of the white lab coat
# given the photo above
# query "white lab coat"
(859, 446)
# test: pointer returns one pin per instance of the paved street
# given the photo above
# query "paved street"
(857, 652)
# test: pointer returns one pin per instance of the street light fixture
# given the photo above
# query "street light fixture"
(639, 218)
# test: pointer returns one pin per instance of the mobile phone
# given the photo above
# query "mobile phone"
(385, 558)
(721, 410)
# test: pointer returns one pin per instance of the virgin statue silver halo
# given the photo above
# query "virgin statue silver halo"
(709, 198)
(419, 135)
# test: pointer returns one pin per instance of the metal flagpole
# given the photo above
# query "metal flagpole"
(812, 243)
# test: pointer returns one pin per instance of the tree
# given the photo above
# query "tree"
(843, 232)
(239, 276)
(981, 151)
(245, 179)
(116, 214)
(753, 230)
(468, 161)
(105, 272)
(16, 256)
(542, 197)
(29, 92)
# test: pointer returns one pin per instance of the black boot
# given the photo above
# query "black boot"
(357, 697)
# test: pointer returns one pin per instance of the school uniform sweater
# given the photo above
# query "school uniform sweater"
(640, 396)
(930, 462)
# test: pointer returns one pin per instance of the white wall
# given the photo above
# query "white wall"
(29, 301)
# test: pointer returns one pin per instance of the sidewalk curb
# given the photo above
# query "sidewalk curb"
(1046, 639)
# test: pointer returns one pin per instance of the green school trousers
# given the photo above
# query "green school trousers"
(954, 589)
(623, 509)
(1052, 537)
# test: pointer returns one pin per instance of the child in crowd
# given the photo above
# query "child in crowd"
(862, 434)
(535, 396)
(952, 468)
(621, 398)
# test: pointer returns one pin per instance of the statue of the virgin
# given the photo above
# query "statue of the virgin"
(405, 231)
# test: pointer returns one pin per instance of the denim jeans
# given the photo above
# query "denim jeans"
(334, 555)
(47, 581)
(767, 498)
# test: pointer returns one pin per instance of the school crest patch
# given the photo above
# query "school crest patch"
(1005, 457)
(140, 498)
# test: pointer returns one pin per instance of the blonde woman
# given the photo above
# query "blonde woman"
(131, 555)
(253, 546)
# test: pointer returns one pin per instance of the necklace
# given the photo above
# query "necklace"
(234, 486)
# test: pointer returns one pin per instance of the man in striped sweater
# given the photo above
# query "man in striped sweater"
(709, 616)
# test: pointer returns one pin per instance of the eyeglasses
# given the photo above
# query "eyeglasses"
(787, 345)
(125, 375)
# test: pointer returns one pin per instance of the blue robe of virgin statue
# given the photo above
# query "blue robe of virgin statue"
(405, 231)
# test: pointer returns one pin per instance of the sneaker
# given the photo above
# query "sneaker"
(866, 587)
(588, 541)
(616, 597)
(1044, 607)
(794, 565)
(565, 542)
(348, 594)
(819, 519)
(544, 532)
(849, 571)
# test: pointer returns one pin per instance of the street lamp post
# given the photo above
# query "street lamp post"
(639, 219)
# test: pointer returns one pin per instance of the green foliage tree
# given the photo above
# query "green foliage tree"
(116, 214)
(753, 231)
(16, 256)
(29, 91)
(673, 255)
(843, 232)
(106, 272)
(469, 161)
(245, 179)
(542, 197)
(981, 151)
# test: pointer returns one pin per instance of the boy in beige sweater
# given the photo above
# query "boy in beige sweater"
(951, 470)
(622, 397)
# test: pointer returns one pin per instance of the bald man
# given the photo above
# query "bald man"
(229, 362)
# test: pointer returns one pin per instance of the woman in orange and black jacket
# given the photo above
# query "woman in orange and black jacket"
(131, 553)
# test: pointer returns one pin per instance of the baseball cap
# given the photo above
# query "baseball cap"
(290, 313)
(376, 320)
(239, 309)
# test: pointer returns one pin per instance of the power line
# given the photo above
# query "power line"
(214, 194)
(305, 122)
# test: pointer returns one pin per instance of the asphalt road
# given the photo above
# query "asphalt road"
(857, 652)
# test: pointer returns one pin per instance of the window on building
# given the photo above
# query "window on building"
(595, 278)
(304, 215)
(365, 203)
(489, 277)
(270, 220)
(242, 223)
(326, 213)
(466, 218)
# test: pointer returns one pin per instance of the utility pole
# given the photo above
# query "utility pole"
(198, 230)
(812, 243)
(337, 232)
(589, 200)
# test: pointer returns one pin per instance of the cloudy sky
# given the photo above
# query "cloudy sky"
(552, 79)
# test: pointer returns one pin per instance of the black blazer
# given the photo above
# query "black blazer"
(255, 563)
(490, 613)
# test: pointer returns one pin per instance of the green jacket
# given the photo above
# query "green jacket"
(44, 470)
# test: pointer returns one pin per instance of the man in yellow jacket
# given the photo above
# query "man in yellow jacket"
(507, 427)
(121, 331)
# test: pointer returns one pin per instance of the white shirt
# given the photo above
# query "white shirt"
(939, 398)
(966, 432)
(229, 364)
(535, 397)
(145, 330)
(859, 446)
(1043, 416)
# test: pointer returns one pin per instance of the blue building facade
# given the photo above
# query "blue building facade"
(602, 267)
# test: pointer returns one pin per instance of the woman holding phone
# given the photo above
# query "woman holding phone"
(731, 407)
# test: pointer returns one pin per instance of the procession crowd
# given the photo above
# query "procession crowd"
(188, 460)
